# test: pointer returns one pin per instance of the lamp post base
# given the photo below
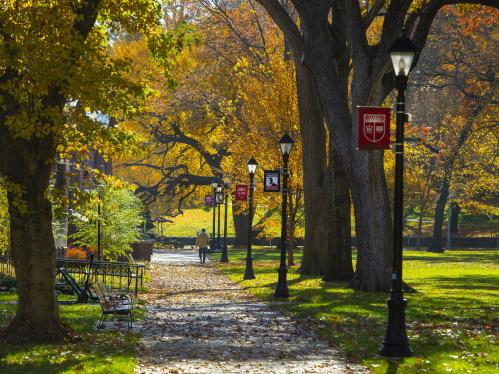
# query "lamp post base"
(396, 343)
(281, 290)
(225, 257)
(248, 272)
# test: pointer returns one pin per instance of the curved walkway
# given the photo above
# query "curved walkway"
(198, 321)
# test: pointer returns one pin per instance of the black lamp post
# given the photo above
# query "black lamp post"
(100, 186)
(286, 143)
(219, 191)
(213, 242)
(225, 257)
(99, 236)
(396, 343)
(248, 272)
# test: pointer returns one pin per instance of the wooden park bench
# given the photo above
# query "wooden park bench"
(117, 304)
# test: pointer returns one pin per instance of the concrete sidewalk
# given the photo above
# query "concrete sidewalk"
(176, 256)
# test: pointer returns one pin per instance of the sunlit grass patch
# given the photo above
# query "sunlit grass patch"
(95, 351)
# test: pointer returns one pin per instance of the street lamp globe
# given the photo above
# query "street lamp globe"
(286, 143)
(402, 53)
(252, 164)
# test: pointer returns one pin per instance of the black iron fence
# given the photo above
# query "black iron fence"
(117, 276)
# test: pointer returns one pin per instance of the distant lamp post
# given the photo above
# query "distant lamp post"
(286, 143)
(225, 256)
(219, 191)
(396, 343)
(100, 186)
(449, 222)
(248, 272)
(213, 242)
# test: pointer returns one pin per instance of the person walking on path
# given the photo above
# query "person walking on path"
(202, 243)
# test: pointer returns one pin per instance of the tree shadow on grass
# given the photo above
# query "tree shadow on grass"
(467, 282)
(45, 367)
(97, 350)
(490, 257)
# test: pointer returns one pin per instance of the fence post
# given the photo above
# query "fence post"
(136, 280)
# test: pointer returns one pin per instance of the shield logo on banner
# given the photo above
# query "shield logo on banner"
(374, 127)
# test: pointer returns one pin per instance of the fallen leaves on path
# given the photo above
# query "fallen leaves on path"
(198, 321)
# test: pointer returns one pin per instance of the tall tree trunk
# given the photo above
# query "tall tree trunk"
(372, 222)
(327, 249)
(338, 259)
(315, 169)
(240, 224)
(367, 181)
(419, 234)
(331, 70)
(454, 219)
(438, 220)
(28, 164)
(436, 242)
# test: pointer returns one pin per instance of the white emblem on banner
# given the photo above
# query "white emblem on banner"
(374, 127)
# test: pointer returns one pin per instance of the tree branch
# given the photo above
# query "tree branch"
(285, 23)
(355, 26)
(372, 13)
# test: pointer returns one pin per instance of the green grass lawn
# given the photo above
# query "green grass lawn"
(193, 220)
(452, 320)
(96, 351)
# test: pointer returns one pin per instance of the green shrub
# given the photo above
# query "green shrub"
(120, 222)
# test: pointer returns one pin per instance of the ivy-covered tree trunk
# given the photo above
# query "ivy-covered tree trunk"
(27, 165)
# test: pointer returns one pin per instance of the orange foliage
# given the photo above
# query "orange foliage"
(77, 253)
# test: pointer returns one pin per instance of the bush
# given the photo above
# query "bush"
(77, 253)
(120, 222)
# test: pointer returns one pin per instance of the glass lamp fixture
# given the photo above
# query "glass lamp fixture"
(286, 143)
(252, 164)
(402, 54)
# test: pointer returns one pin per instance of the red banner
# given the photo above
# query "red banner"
(374, 128)
(241, 192)
(208, 200)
